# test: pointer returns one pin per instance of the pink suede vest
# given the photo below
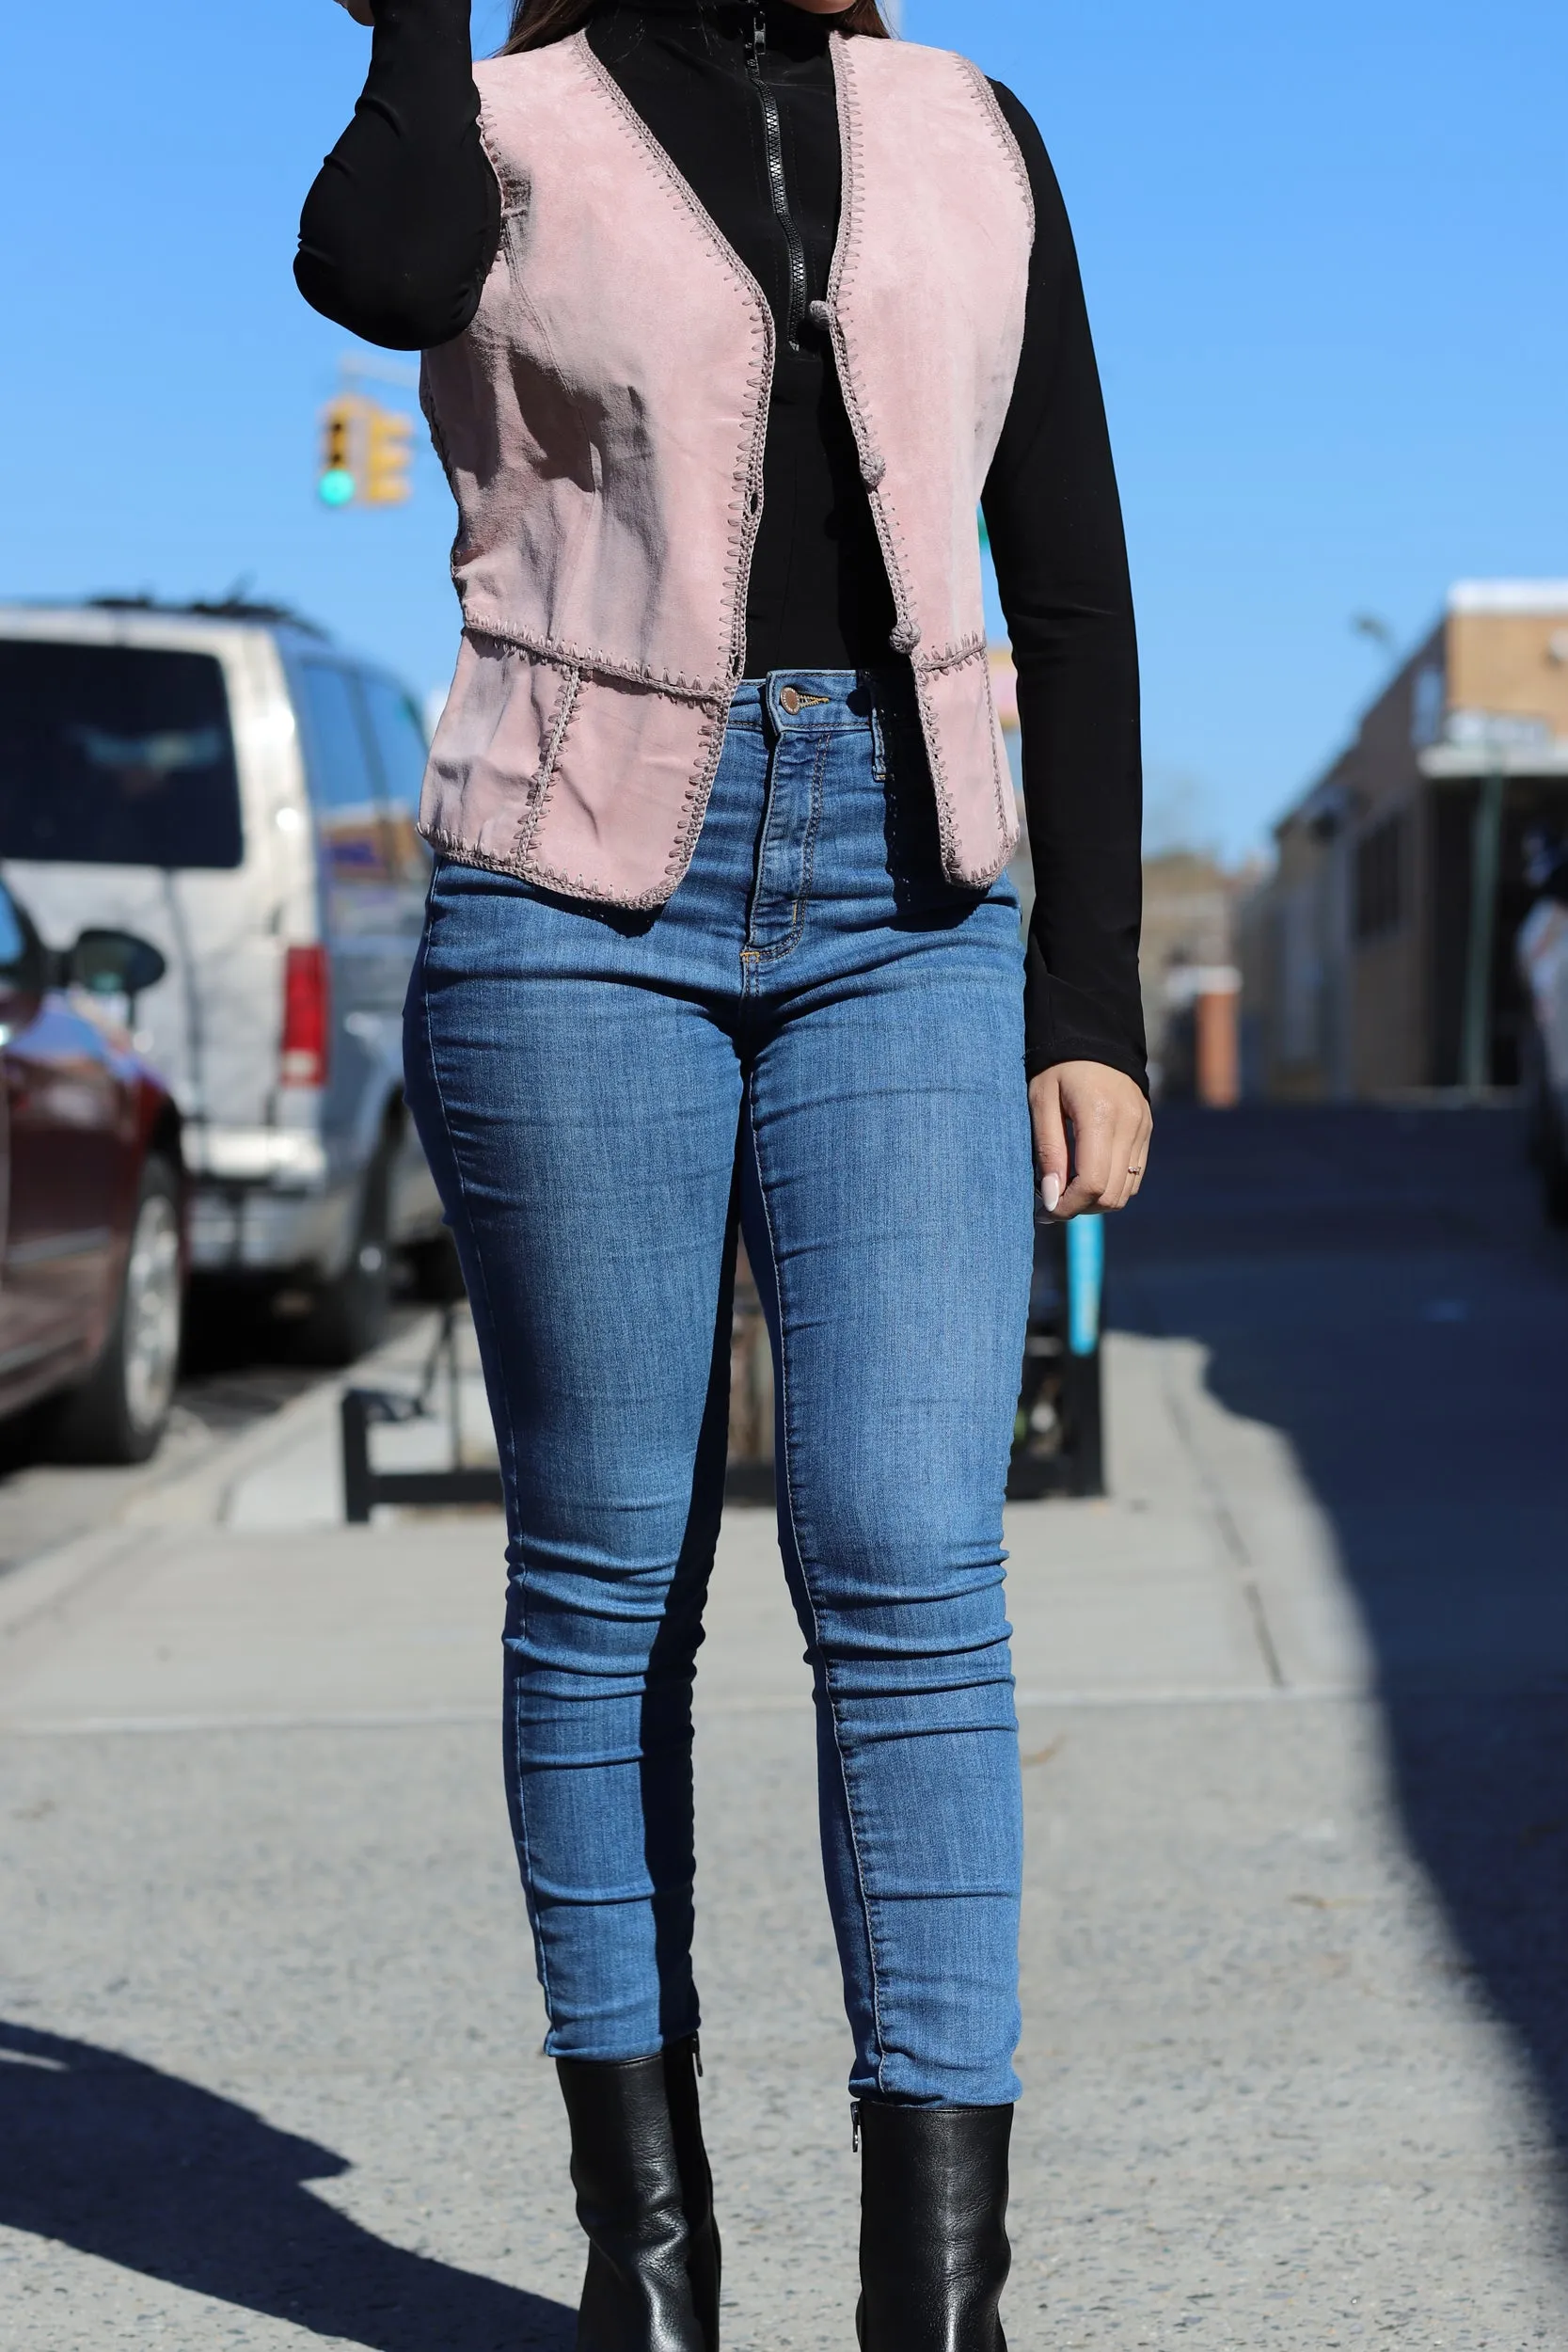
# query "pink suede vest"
(602, 424)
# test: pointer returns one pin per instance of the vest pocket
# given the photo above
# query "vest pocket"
(494, 751)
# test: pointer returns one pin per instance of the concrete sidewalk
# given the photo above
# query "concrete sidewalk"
(269, 2074)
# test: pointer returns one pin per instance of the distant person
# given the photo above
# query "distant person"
(732, 316)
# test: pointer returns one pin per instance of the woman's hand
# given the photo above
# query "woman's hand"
(361, 10)
(1110, 1125)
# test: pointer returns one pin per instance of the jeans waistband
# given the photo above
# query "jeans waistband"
(813, 701)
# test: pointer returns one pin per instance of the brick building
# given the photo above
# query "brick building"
(1379, 956)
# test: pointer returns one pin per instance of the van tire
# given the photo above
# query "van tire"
(121, 1410)
(352, 1311)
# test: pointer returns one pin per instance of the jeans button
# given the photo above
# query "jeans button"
(790, 700)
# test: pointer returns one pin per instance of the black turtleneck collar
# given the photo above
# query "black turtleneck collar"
(794, 33)
(715, 30)
(775, 11)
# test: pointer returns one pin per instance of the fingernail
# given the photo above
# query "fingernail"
(1051, 1192)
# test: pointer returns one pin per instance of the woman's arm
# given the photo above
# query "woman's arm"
(1054, 518)
(403, 220)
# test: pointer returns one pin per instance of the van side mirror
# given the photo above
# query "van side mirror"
(114, 964)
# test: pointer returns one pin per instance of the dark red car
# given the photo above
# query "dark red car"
(91, 1194)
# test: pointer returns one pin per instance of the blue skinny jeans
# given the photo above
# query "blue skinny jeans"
(820, 1038)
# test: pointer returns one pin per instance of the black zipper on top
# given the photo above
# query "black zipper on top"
(756, 48)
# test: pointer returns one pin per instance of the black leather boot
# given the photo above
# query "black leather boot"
(934, 2252)
(645, 2202)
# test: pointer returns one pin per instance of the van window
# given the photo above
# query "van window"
(340, 772)
(399, 739)
(343, 782)
(115, 756)
(400, 747)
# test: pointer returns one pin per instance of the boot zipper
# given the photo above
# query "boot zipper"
(756, 48)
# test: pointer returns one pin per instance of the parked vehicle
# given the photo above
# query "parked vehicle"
(230, 784)
(91, 1192)
(1542, 951)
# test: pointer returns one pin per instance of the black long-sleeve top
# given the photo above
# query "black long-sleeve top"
(399, 233)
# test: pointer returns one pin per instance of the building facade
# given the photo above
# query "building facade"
(1378, 956)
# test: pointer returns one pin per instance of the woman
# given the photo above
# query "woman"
(731, 315)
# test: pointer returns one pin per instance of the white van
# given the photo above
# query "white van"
(227, 782)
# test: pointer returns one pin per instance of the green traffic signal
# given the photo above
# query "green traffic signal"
(365, 452)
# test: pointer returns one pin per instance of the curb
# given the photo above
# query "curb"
(200, 1496)
(196, 1497)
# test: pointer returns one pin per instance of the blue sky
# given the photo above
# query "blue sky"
(1324, 254)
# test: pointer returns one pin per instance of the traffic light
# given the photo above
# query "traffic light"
(389, 454)
(366, 453)
(338, 483)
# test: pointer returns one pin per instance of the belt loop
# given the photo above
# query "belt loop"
(879, 733)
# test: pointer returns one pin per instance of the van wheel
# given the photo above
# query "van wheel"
(351, 1312)
(120, 1413)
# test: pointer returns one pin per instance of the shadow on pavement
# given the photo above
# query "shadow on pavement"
(116, 2159)
(1380, 1285)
